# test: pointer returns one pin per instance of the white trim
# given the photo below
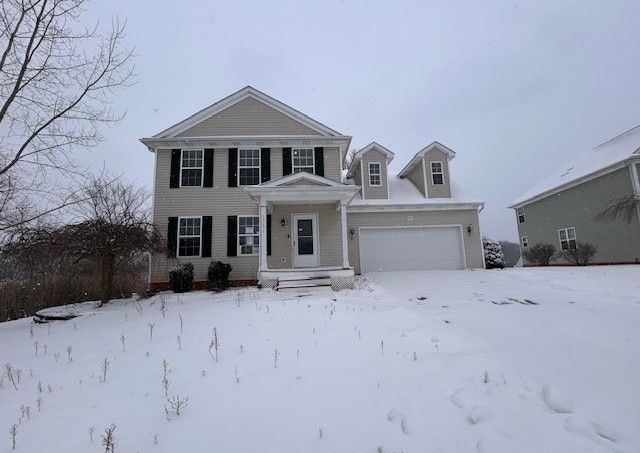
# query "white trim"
(566, 230)
(294, 237)
(360, 153)
(362, 178)
(431, 162)
(153, 207)
(424, 177)
(634, 176)
(524, 216)
(238, 253)
(238, 96)
(459, 226)
(313, 156)
(294, 177)
(238, 166)
(379, 174)
(414, 207)
(575, 182)
(182, 150)
(344, 234)
(422, 153)
(188, 236)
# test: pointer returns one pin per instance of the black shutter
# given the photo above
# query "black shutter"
(286, 161)
(206, 236)
(172, 237)
(319, 160)
(268, 234)
(208, 168)
(232, 235)
(265, 164)
(233, 168)
(174, 180)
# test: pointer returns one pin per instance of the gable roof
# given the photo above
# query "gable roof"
(607, 156)
(244, 93)
(420, 154)
(371, 146)
(300, 176)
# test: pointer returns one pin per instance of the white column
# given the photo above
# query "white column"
(345, 244)
(263, 236)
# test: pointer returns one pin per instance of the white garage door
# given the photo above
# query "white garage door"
(404, 249)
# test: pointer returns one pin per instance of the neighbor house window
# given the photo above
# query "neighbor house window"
(189, 233)
(303, 160)
(374, 174)
(567, 238)
(248, 235)
(191, 168)
(520, 215)
(525, 242)
(436, 173)
(248, 167)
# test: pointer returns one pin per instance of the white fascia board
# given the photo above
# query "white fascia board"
(420, 154)
(415, 207)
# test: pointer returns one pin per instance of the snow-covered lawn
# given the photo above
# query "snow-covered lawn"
(408, 362)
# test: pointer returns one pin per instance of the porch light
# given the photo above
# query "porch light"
(283, 222)
(469, 230)
(352, 232)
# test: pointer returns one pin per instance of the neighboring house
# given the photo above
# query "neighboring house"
(254, 183)
(563, 209)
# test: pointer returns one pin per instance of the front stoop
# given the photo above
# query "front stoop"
(308, 279)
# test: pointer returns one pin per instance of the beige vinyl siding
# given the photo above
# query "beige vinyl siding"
(357, 176)
(617, 242)
(303, 183)
(332, 167)
(433, 190)
(329, 232)
(248, 117)
(416, 176)
(375, 192)
(472, 243)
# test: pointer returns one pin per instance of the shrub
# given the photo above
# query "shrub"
(581, 255)
(218, 275)
(493, 256)
(181, 278)
(539, 254)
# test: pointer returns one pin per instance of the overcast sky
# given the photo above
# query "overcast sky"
(513, 87)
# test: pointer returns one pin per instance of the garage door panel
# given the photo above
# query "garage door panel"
(402, 249)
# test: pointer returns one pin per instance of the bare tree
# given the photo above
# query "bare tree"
(57, 83)
(626, 208)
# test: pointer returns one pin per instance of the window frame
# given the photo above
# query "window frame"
(519, 214)
(244, 166)
(524, 242)
(179, 236)
(238, 235)
(379, 174)
(568, 240)
(201, 168)
(441, 172)
(313, 160)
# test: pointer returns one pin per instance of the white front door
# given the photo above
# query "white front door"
(305, 240)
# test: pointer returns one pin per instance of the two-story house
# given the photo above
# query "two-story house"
(257, 184)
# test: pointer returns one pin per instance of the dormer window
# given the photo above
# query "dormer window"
(437, 176)
(303, 160)
(375, 177)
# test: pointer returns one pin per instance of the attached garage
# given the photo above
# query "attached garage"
(411, 248)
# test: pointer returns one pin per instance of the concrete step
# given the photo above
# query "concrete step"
(318, 282)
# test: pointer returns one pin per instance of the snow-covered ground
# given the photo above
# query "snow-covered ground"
(408, 362)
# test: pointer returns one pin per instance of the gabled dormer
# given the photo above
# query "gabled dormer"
(369, 170)
(429, 171)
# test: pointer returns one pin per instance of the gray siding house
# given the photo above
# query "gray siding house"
(563, 209)
(257, 184)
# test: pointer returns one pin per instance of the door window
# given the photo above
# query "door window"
(305, 237)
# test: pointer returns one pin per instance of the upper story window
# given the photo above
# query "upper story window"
(248, 167)
(248, 235)
(525, 242)
(436, 173)
(189, 234)
(520, 215)
(567, 238)
(191, 168)
(303, 160)
(375, 178)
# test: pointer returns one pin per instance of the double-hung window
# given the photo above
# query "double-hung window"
(189, 236)
(248, 167)
(436, 173)
(303, 160)
(520, 215)
(191, 168)
(525, 242)
(567, 238)
(375, 178)
(248, 235)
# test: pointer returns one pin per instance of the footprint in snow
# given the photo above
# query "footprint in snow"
(592, 430)
(476, 415)
(554, 403)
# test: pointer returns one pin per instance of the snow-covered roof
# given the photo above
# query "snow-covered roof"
(373, 145)
(607, 155)
(403, 192)
(420, 154)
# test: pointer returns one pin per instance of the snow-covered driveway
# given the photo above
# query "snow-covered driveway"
(521, 360)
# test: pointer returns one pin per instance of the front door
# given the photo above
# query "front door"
(305, 240)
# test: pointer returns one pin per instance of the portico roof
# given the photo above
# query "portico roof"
(302, 187)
